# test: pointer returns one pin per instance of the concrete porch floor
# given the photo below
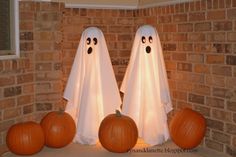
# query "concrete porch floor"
(168, 149)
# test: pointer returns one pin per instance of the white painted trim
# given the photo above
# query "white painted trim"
(163, 3)
(101, 6)
(131, 7)
(17, 29)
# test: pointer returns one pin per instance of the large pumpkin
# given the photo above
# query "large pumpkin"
(187, 128)
(118, 133)
(59, 129)
(25, 138)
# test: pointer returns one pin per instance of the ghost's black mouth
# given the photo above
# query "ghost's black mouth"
(89, 50)
(148, 49)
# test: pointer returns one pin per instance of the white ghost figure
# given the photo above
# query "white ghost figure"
(91, 90)
(145, 87)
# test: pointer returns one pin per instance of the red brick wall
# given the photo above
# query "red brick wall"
(198, 39)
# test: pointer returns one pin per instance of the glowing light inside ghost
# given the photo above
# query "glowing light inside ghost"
(145, 87)
(91, 90)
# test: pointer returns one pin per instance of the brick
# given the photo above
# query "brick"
(180, 17)
(215, 124)
(26, 36)
(230, 82)
(164, 19)
(215, 59)
(231, 13)
(199, 16)
(223, 48)
(222, 26)
(230, 151)
(7, 80)
(28, 88)
(221, 115)
(7, 103)
(222, 92)
(222, 70)
(196, 37)
(214, 145)
(184, 67)
(27, 6)
(180, 37)
(205, 111)
(179, 95)
(55, 16)
(231, 128)
(182, 105)
(26, 46)
(179, 56)
(26, 26)
(124, 21)
(44, 36)
(11, 113)
(185, 27)
(25, 99)
(215, 102)
(196, 78)
(28, 109)
(43, 106)
(231, 60)
(5, 125)
(231, 36)
(52, 6)
(124, 37)
(26, 15)
(204, 26)
(12, 91)
(231, 106)
(234, 118)
(216, 81)
(216, 15)
(170, 65)
(25, 78)
(195, 58)
(184, 86)
(169, 28)
(194, 98)
(43, 66)
(202, 48)
(202, 68)
(201, 89)
(169, 47)
(216, 37)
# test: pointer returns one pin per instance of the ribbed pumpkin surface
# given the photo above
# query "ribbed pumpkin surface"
(118, 133)
(59, 129)
(187, 128)
(25, 138)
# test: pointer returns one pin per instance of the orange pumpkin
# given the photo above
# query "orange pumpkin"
(25, 138)
(118, 133)
(59, 129)
(187, 128)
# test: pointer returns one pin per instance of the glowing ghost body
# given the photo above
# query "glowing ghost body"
(145, 87)
(91, 90)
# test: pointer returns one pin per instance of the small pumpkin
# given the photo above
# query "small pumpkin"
(118, 133)
(59, 129)
(187, 128)
(25, 138)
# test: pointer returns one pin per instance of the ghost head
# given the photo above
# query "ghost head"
(91, 90)
(145, 87)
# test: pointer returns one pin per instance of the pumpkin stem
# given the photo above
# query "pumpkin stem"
(60, 111)
(118, 114)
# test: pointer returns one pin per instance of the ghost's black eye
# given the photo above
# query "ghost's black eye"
(88, 41)
(143, 39)
(95, 41)
(150, 39)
